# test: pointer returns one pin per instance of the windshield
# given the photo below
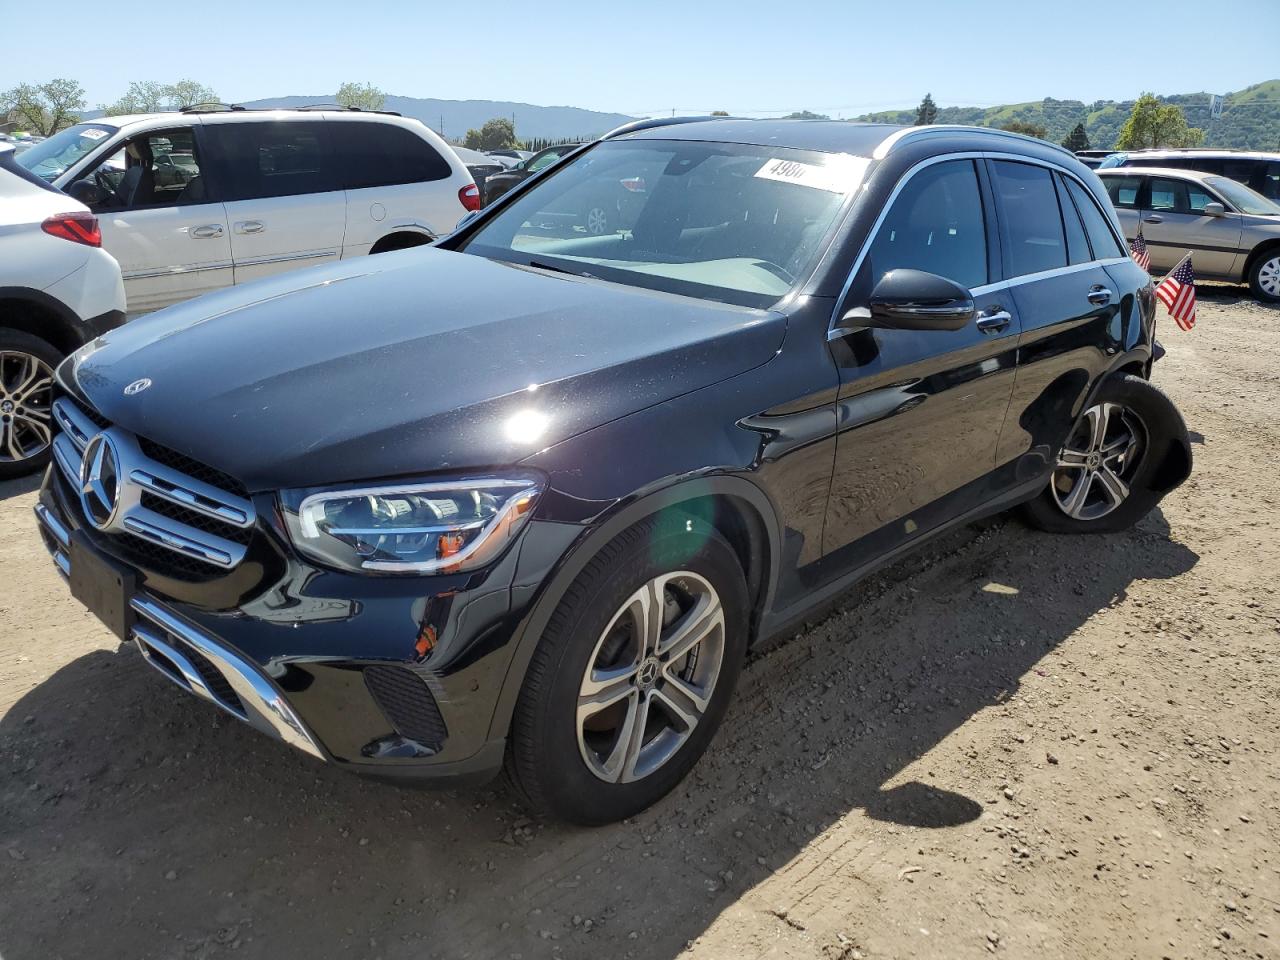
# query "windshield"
(51, 158)
(721, 221)
(1242, 198)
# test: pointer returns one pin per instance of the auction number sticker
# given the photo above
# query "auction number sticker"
(839, 176)
(93, 133)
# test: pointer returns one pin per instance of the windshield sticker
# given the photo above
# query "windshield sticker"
(93, 133)
(838, 177)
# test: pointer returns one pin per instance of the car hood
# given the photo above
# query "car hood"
(406, 363)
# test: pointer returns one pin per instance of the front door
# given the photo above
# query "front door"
(1175, 224)
(160, 220)
(919, 412)
(284, 195)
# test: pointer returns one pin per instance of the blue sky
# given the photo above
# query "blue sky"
(649, 56)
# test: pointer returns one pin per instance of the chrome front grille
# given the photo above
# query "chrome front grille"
(154, 496)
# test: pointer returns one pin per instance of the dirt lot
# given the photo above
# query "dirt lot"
(1010, 744)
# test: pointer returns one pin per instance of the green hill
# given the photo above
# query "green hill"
(1250, 117)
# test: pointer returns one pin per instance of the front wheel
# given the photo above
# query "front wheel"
(633, 674)
(1264, 278)
(1126, 451)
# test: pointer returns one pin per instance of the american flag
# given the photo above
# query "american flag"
(1177, 292)
(1138, 250)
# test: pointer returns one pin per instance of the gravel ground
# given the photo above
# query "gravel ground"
(1008, 744)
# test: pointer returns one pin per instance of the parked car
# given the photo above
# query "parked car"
(533, 504)
(58, 290)
(201, 200)
(1258, 171)
(516, 155)
(1232, 232)
(500, 183)
(481, 166)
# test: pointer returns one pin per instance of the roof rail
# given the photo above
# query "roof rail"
(339, 106)
(912, 133)
(651, 122)
(209, 106)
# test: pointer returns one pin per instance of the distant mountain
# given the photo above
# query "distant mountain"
(457, 116)
(1250, 117)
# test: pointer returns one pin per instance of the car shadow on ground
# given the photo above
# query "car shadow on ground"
(139, 820)
(16, 488)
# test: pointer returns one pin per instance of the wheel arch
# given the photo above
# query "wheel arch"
(40, 315)
(402, 238)
(738, 509)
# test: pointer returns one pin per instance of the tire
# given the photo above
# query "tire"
(26, 380)
(1264, 276)
(598, 220)
(573, 760)
(1129, 448)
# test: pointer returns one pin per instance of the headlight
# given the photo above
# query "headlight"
(442, 527)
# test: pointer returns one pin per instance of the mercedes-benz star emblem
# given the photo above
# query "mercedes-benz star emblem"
(137, 386)
(100, 481)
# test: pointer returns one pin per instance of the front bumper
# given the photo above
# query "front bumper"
(337, 666)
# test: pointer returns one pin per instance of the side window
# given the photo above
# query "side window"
(1168, 196)
(936, 225)
(1270, 185)
(1197, 197)
(1077, 245)
(160, 169)
(1030, 220)
(1096, 224)
(544, 161)
(383, 155)
(1123, 191)
(280, 159)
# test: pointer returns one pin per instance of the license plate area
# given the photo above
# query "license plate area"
(103, 586)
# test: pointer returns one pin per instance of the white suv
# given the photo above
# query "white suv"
(194, 201)
(58, 290)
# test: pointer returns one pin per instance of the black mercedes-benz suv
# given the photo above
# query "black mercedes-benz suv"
(527, 500)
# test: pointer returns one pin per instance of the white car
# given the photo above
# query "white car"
(58, 290)
(195, 201)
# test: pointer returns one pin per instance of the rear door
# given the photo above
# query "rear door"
(1175, 224)
(284, 198)
(919, 412)
(396, 182)
(161, 219)
(1068, 304)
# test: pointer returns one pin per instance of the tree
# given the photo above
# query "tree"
(927, 112)
(1027, 129)
(45, 108)
(149, 96)
(1077, 139)
(496, 134)
(719, 113)
(363, 95)
(806, 115)
(1155, 124)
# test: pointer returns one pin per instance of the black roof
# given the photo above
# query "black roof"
(828, 136)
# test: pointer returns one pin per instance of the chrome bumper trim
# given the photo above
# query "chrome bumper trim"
(264, 707)
(60, 534)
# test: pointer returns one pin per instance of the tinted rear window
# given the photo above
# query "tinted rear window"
(281, 159)
(1096, 224)
(382, 154)
(1029, 218)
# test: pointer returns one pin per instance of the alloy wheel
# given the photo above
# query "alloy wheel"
(1098, 462)
(1269, 277)
(597, 221)
(26, 393)
(651, 677)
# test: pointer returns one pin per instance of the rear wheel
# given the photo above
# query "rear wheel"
(1264, 278)
(1107, 476)
(633, 674)
(26, 394)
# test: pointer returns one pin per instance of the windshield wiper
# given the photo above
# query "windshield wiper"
(539, 265)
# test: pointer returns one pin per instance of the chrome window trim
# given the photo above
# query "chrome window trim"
(964, 155)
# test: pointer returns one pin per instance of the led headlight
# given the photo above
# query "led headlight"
(440, 527)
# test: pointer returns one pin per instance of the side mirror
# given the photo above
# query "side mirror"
(1214, 209)
(913, 300)
(86, 191)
